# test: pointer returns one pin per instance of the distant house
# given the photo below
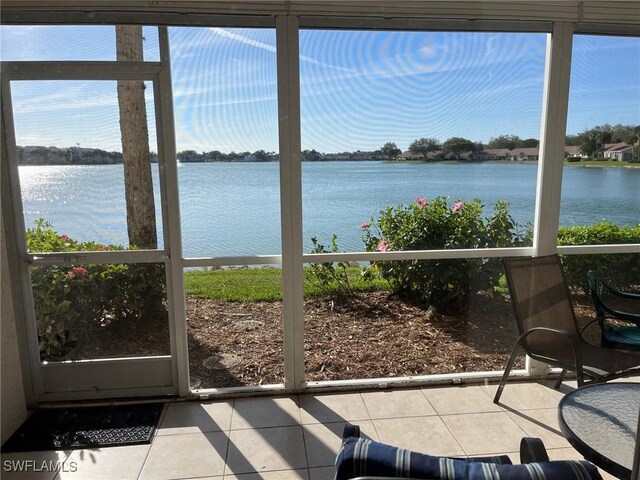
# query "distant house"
(618, 151)
(524, 153)
(409, 155)
(574, 151)
(492, 154)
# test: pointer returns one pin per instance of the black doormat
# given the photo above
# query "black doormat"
(86, 427)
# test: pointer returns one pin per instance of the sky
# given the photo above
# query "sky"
(359, 89)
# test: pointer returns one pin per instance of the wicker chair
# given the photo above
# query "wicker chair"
(548, 328)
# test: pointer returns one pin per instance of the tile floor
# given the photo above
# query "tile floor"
(297, 437)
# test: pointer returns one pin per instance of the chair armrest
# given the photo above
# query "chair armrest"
(627, 317)
(621, 315)
(621, 293)
(532, 450)
(350, 431)
(571, 338)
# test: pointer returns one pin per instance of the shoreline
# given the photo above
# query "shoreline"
(590, 164)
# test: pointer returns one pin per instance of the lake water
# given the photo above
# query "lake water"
(234, 208)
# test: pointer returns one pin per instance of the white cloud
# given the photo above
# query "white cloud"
(271, 48)
(234, 101)
(67, 96)
(428, 50)
(64, 104)
(242, 39)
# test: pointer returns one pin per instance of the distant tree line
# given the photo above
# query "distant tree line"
(454, 147)
(591, 143)
(187, 156)
(358, 155)
(512, 141)
(36, 155)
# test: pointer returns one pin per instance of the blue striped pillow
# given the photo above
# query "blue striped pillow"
(359, 457)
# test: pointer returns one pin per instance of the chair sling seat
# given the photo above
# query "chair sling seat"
(603, 361)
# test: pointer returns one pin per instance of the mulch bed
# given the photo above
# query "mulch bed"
(375, 335)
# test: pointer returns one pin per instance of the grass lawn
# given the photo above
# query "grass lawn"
(260, 284)
(603, 163)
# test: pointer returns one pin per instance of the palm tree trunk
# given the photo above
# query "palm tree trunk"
(138, 184)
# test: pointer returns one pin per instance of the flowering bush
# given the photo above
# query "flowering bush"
(69, 299)
(436, 225)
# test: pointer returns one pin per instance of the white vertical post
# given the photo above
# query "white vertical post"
(552, 139)
(287, 40)
(551, 159)
(165, 131)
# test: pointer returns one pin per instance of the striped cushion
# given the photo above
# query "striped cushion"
(359, 457)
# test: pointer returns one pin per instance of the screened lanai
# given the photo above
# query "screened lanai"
(330, 187)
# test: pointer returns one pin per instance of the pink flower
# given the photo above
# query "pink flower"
(79, 271)
(457, 206)
(421, 201)
(383, 246)
(64, 237)
(364, 226)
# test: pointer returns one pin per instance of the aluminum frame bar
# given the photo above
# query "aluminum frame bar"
(81, 70)
(25, 326)
(422, 24)
(553, 128)
(112, 256)
(171, 212)
(288, 68)
(191, 19)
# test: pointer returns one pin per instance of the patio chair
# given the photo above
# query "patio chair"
(361, 459)
(548, 329)
(620, 328)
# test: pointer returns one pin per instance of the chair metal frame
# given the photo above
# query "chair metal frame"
(604, 311)
(575, 343)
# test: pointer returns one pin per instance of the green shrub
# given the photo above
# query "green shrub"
(330, 278)
(573, 159)
(54, 316)
(435, 225)
(71, 298)
(621, 269)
